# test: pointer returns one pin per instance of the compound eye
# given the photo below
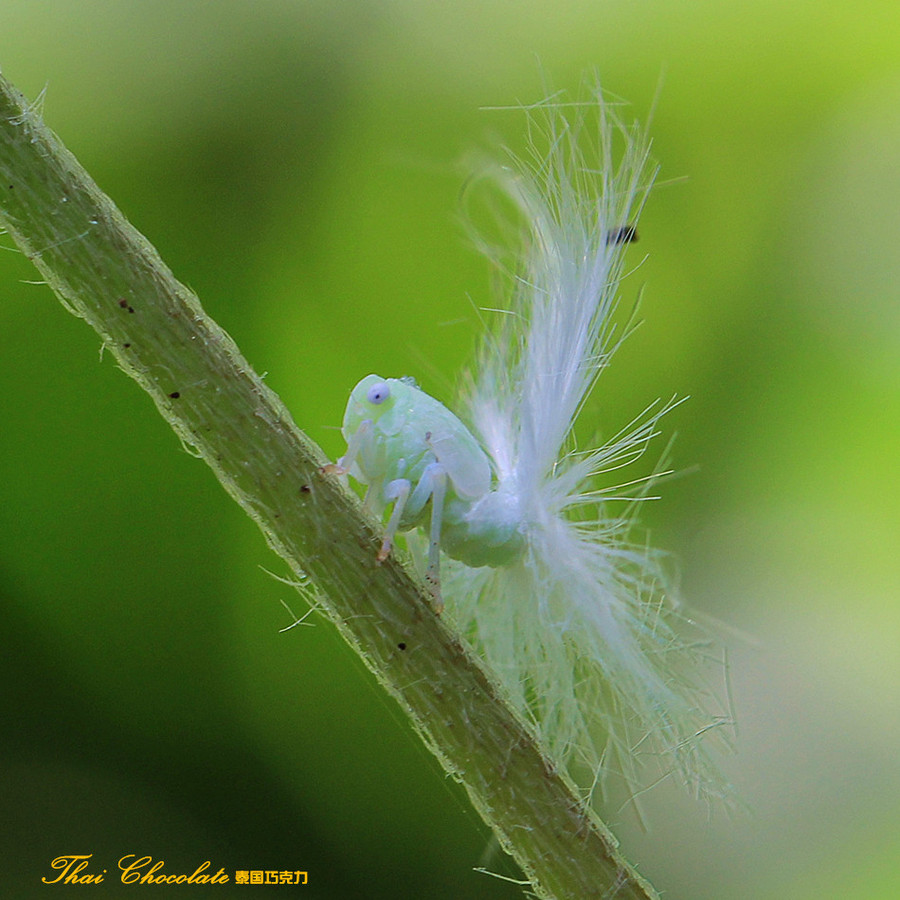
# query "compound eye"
(378, 393)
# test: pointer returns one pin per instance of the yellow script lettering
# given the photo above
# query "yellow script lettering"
(71, 866)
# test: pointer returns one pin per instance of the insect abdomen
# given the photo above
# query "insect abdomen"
(488, 532)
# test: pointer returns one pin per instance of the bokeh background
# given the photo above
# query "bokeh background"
(298, 164)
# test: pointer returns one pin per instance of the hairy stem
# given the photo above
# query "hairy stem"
(107, 273)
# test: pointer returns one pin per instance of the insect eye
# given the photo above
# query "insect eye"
(378, 393)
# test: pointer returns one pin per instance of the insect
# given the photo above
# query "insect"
(532, 542)
(624, 234)
(415, 454)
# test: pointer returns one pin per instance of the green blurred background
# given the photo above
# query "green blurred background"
(297, 164)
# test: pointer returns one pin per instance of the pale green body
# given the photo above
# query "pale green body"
(412, 451)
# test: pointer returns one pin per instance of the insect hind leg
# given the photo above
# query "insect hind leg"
(433, 572)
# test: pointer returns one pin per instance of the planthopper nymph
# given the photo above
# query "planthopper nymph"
(532, 539)
(416, 455)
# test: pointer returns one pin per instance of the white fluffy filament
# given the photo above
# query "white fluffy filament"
(582, 632)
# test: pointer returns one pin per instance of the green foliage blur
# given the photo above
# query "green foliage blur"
(299, 165)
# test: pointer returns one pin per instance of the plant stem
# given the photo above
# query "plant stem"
(107, 273)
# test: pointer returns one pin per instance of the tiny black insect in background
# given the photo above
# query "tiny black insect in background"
(627, 234)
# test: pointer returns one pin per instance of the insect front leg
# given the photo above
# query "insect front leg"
(354, 445)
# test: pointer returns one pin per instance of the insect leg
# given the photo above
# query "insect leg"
(433, 572)
(406, 501)
(397, 492)
(354, 445)
(432, 486)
